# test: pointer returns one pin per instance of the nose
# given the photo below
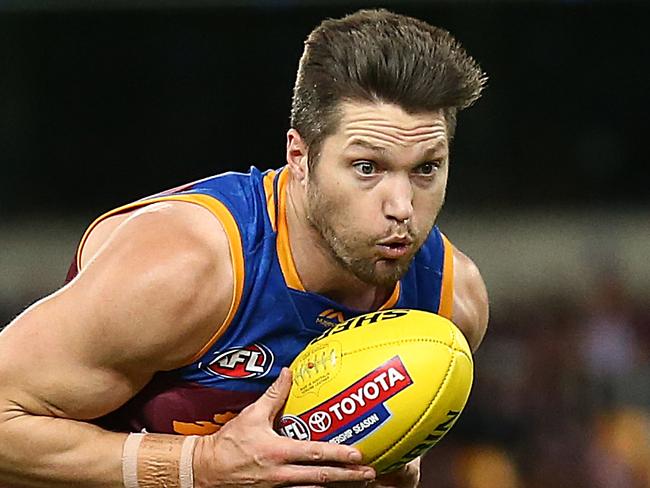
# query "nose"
(398, 200)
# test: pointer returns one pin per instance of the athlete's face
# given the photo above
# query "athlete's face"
(377, 187)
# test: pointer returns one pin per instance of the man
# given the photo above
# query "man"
(182, 308)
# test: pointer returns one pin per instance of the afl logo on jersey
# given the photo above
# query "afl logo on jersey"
(250, 361)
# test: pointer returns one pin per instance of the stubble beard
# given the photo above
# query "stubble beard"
(352, 252)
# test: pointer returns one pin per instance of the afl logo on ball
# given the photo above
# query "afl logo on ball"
(250, 361)
(294, 427)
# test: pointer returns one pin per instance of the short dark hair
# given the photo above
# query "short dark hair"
(377, 55)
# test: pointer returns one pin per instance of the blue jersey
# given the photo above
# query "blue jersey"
(272, 317)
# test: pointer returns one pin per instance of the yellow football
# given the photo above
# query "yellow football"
(391, 383)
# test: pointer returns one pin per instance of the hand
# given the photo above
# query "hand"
(248, 452)
(408, 476)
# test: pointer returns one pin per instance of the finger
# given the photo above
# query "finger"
(349, 484)
(276, 395)
(407, 475)
(305, 486)
(397, 476)
(321, 475)
(320, 452)
(411, 473)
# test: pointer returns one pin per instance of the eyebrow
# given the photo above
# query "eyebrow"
(439, 145)
(366, 144)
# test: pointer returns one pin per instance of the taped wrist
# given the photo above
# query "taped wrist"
(153, 460)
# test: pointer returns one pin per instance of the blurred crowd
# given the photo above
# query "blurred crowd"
(561, 398)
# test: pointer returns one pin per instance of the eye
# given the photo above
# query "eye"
(365, 168)
(428, 168)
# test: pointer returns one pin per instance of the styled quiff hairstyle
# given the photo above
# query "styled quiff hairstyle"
(379, 56)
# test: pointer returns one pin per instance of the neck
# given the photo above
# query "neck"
(318, 270)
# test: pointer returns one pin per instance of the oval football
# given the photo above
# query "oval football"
(391, 383)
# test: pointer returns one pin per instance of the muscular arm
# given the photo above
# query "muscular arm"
(152, 290)
(471, 306)
(147, 301)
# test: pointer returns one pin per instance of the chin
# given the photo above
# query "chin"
(387, 274)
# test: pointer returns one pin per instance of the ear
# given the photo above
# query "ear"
(297, 155)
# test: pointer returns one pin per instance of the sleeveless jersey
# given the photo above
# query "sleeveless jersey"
(272, 317)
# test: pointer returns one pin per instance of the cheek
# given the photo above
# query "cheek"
(426, 204)
(439, 188)
(340, 199)
(347, 208)
(361, 210)
(332, 205)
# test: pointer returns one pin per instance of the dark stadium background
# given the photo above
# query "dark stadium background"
(137, 100)
(105, 102)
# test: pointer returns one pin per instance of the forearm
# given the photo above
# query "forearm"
(51, 452)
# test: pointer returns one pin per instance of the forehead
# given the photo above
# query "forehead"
(384, 125)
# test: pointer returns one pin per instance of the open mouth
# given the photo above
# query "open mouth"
(394, 250)
(394, 245)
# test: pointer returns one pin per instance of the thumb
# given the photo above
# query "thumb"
(276, 395)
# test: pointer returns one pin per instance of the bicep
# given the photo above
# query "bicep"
(145, 303)
(471, 305)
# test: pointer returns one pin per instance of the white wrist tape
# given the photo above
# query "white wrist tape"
(186, 471)
(130, 460)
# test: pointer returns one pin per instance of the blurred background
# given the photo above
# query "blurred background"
(104, 102)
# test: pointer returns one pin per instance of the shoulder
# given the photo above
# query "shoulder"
(471, 305)
(153, 293)
(167, 266)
